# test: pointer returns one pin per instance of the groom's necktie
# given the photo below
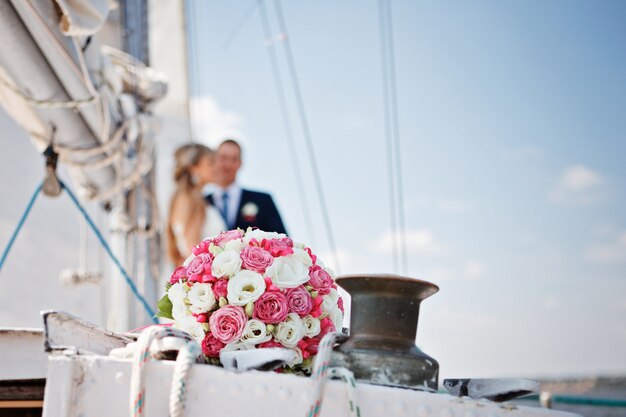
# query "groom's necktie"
(225, 209)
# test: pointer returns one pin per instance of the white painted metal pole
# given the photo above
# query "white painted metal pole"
(120, 300)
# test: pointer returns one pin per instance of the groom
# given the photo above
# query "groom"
(240, 207)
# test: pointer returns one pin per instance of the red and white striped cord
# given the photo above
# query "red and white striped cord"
(322, 372)
(187, 355)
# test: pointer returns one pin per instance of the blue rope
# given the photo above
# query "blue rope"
(129, 281)
(19, 225)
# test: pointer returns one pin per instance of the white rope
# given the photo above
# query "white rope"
(65, 151)
(348, 377)
(141, 356)
(130, 181)
(187, 356)
(49, 104)
(322, 372)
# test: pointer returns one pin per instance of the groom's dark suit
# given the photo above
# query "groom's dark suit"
(256, 209)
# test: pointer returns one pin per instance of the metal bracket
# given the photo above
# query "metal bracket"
(51, 184)
(494, 389)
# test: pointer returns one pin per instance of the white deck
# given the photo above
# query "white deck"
(22, 354)
(99, 386)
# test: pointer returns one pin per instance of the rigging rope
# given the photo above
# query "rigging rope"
(322, 372)
(189, 354)
(20, 224)
(237, 28)
(107, 248)
(280, 92)
(306, 131)
(388, 136)
(392, 125)
(96, 231)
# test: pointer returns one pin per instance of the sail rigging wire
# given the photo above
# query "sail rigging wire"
(391, 108)
(20, 224)
(96, 231)
(305, 128)
(107, 248)
(388, 137)
(282, 104)
(396, 131)
(240, 24)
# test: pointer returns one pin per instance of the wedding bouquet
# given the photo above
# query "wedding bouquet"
(254, 290)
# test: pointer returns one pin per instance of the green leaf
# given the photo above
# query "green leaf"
(165, 308)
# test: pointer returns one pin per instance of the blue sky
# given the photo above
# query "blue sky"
(512, 133)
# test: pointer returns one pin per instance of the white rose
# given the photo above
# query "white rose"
(177, 292)
(259, 235)
(337, 317)
(190, 325)
(330, 300)
(226, 264)
(236, 245)
(201, 298)
(255, 332)
(289, 332)
(312, 326)
(303, 256)
(245, 287)
(297, 360)
(214, 249)
(288, 272)
(180, 311)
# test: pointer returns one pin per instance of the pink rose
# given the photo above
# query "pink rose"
(278, 247)
(327, 326)
(270, 344)
(256, 259)
(313, 257)
(317, 306)
(227, 323)
(320, 279)
(225, 237)
(220, 288)
(309, 346)
(211, 346)
(199, 269)
(179, 274)
(271, 307)
(340, 304)
(299, 300)
(202, 247)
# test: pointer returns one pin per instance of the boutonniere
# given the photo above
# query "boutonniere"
(249, 212)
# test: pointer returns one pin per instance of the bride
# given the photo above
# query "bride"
(190, 217)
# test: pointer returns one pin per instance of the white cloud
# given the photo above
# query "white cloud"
(212, 124)
(609, 253)
(418, 242)
(523, 153)
(474, 269)
(579, 184)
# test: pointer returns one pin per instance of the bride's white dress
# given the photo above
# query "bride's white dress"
(213, 225)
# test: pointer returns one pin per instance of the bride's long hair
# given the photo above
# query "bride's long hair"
(187, 191)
